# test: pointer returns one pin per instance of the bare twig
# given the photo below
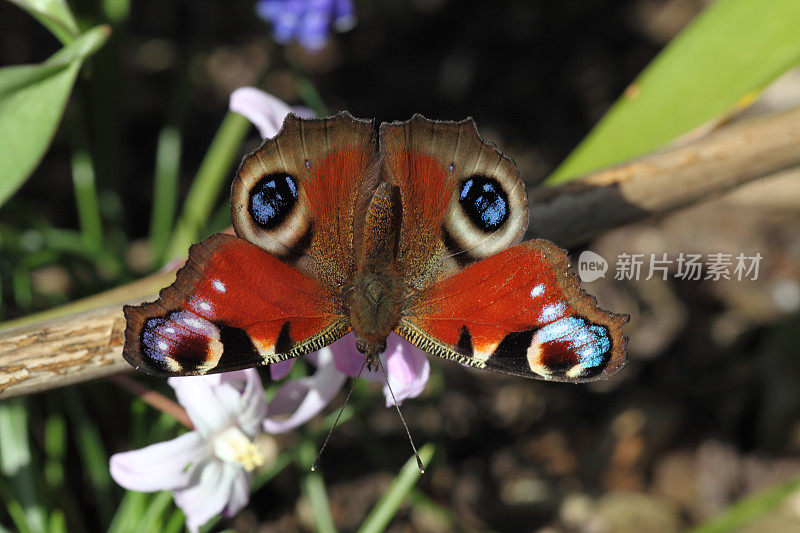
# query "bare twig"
(75, 343)
(83, 341)
(572, 213)
(156, 399)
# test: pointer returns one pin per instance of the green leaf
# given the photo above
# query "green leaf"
(724, 58)
(32, 100)
(18, 468)
(212, 177)
(157, 507)
(129, 510)
(55, 443)
(18, 77)
(383, 512)
(84, 46)
(84, 183)
(92, 452)
(57, 522)
(55, 15)
(745, 511)
(313, 487)
(165, 191)
(175, 522)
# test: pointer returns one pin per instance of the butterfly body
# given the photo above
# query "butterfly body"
(413, 229)
(377, 287)
(375, 312)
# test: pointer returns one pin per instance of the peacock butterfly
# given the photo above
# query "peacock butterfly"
(413, 228)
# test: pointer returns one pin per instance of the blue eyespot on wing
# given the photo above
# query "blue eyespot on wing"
(485, 202)
(272, 199)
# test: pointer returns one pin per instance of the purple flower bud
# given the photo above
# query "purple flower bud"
(308, 21)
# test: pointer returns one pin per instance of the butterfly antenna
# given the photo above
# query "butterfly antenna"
(335, 422)
(396, 406)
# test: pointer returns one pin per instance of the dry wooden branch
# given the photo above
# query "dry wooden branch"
(83, 340)
(570, 214)
(84, 343)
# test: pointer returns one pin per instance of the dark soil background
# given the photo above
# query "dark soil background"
(707, 410)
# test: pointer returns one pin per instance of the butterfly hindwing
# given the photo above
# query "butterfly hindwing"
(522, 312)
(232, 306)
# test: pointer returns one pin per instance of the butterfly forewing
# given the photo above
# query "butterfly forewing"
(237, 304)
(298, 195)
(462, 199)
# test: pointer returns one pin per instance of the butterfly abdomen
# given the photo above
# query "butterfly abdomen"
(375, 301)
(374, 308)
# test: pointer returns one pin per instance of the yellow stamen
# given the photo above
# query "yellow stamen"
(233, 446)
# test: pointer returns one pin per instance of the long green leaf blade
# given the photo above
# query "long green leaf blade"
(383, 512)
(18, 468)
(726, 56)
(167, 174)
(211, 178)
(55, 15)
(93, 455)
(747, 510)
(32, 100)
(313, 487)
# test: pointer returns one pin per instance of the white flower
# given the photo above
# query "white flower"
(208, 469)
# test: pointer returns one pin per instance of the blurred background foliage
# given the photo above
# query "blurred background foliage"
(705, 415)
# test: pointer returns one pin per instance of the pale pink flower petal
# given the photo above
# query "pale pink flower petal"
(265, 111)
(240, 494)
(408, 369)
(209, 493)
(345, 355)
(250, 407)
(162, 466)
(297, 401)
(407, 366)
(199, 396)
(280, 369)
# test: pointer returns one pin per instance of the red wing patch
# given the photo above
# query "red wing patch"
(298, 196)
(232, 306)
(434, 164)
(522, 312)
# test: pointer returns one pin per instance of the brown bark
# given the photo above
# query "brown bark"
(572, 213)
